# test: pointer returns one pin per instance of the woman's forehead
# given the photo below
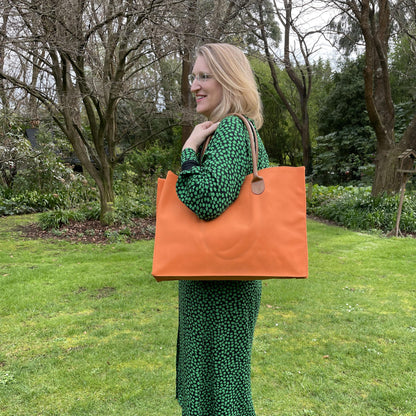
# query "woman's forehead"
(200, 65)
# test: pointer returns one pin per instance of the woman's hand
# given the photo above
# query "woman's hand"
(199, 134)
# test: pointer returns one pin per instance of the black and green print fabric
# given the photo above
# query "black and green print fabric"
(208, 188)
(216, 325)
(217, 318)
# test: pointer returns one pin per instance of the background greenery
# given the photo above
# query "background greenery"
(45, 176)
(356, 208)
(86, 330)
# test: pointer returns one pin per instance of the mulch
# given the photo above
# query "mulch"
(94, 232)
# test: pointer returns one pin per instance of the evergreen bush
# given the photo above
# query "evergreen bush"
(356, 208)
(54, 219)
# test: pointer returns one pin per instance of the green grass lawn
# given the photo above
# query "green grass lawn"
(86, 330)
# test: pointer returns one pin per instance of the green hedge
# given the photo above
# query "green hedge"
(357, 209)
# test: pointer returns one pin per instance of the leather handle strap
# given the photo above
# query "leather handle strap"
(257, 183)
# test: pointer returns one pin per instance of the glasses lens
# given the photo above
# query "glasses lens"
(200, 77)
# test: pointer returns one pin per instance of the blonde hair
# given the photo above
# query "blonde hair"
(232, 70)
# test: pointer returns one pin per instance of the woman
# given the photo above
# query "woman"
(217, 318)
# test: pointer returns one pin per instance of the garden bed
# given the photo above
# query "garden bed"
(93, 231)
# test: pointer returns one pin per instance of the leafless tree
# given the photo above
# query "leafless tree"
(299, 46)
(80, 58)
(3, 28)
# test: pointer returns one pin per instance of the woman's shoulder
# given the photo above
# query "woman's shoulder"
(232, 125)
(231, 122)
(233, 119)
(236, 126)
(231, 136)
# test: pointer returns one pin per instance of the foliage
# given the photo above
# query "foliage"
(35, 177)
(143, 166)
(44, 169)
(136, 179)
(69, 193)
(75, 199)
(345, 156)
(28, 202)
(323, 83)
(84, 61)
(403, 83)
(345, 151)
(139, 203)
(403, 70)
(378, 29)
(404, 113)
(55, 218)
(134, 202)
(15, 149)
(86, 331)
(58, 217)
(356, 208)
(135, 187)
(278, 133)
(139, 120)
(344, 105)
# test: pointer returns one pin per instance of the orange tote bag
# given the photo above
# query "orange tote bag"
(261, 235)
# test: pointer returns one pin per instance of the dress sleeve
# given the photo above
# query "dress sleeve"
(209, 187)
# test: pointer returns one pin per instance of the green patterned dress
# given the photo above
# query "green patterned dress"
(216, 319)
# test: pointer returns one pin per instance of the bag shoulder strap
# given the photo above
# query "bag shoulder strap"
(257, 183)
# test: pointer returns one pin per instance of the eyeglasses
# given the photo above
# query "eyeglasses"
(199, 77)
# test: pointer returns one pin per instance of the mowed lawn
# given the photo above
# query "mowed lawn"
(86, 330)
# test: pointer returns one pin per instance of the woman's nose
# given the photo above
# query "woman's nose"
(195, 86)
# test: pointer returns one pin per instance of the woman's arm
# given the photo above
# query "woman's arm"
(208, 188)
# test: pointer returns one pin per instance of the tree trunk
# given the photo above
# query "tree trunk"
(375, 22)
(190, 25)
(186, 98)
(106, 189)
(3, 94)
(307, 148)
(88, 58)
(386, 178)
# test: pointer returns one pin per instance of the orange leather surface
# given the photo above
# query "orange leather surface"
(258, 237)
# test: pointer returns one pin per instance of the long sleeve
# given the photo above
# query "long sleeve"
(208, 188)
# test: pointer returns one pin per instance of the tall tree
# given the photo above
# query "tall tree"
(87, 54)
(375, 20)
(3, 28)
(296, 62)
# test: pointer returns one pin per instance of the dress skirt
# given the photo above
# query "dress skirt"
(215, 336)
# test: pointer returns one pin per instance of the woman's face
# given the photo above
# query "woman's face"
(207, 90)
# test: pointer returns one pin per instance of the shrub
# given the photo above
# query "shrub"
(136, 181)
(132, 200)
(90, 211)
(54, 219)
(357, 209)
(28, 202)
(345, 157)
(147, 164)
